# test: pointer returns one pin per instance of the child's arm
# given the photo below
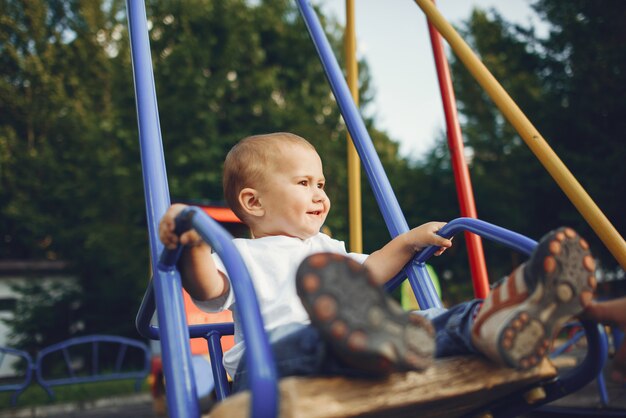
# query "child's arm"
(613, 312)
(387, 262)
(199, 275)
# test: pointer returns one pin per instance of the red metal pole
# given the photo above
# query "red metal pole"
(461, 173)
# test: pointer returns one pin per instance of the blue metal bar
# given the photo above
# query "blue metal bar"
(146, 330)
(19, 388)
(207, 331)
(424, 289)
(144, 315)
(94, 358)
(484, 229)
(121, 353)
(92, 340)
(89, 339)
(492, 232)
(219, 374)
(590, 367)
(68, 362)
(182, 397)
(602, 391)
(223, 328)
(563, 348)
(262, 371)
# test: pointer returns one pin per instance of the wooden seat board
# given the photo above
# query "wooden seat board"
(452, 387)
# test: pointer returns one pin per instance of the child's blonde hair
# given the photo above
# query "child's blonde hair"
(250, 160)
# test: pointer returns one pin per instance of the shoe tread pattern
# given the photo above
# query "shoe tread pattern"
(560, 280)
(365, 327)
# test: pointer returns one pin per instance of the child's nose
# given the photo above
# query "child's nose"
(319, 195)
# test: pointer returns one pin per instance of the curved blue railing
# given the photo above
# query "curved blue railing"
(486, 230)
(262, 372)
(263, 380)
(19, 388)
(602, 390)
(95, 374)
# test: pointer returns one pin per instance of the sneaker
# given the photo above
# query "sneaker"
(366, 328)
(517, 321)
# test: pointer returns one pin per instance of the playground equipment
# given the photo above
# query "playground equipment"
(511, 392)
(195, 316)
(13, 355)
(81, 360)
(91, 349)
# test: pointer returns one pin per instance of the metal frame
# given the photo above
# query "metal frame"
(166, 286)
(96, 374)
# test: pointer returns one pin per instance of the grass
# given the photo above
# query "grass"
(35, 395)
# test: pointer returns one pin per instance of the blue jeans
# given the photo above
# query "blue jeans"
(300, 351)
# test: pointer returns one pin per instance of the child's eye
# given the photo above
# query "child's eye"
(303, 183)
(320, 186)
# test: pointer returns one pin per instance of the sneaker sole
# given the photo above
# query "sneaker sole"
(366, 328)
(564, 285)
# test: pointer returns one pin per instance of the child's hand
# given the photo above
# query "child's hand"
(167, 226)
(612, 312)
(426, 234)
(389, 260)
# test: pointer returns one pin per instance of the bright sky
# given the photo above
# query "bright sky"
(393, 37)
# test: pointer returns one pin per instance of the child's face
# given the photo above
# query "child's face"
(293, 195)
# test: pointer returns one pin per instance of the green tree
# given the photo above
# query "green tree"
(69, 161)
(568, 84)
(67, 186)
(586, 74)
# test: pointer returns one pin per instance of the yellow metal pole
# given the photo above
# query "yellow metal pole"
(354, 164)
(563, 177)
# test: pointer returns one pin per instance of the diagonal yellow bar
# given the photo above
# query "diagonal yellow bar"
(563, 177)
(354, 164)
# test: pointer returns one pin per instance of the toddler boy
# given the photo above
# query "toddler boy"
(324, 309)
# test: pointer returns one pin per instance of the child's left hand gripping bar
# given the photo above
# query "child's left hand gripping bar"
(183, 223)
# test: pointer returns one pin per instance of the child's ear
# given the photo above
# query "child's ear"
(250, 202)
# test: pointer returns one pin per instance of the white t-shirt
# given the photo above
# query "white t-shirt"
(272, 263)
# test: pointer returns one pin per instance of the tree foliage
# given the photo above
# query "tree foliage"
(584, 76)
(558, 81)
(69, 162)
(70, 180)
(568, 83)
(70, 174)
